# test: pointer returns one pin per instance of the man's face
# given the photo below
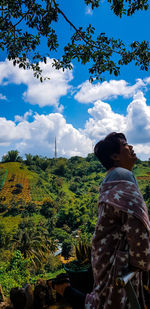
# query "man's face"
(126, 158)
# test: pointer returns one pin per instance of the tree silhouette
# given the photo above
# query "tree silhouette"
(24, 24)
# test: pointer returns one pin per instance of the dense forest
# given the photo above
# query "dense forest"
(48, 205)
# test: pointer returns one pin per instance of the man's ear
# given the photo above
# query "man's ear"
(115, 156)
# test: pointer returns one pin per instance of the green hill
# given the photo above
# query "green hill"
(46, 178)
(47, 202)
(70, 185)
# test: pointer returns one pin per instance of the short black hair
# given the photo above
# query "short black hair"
(105, 148)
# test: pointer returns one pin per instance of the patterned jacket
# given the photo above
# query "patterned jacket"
(121, 242)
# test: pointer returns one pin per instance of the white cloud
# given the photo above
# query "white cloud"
(103, 121)
(38, 136)
(2, 97)
(147, 80)
(142, 151)
(24, 117)
(135, 125)
(10, 132)
(138, 120)
(47, 93)
(89, 92)
(88, 10)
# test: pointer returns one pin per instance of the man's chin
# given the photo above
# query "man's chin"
(135, 158)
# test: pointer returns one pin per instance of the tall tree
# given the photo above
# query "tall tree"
(31, 243)
(23, 24)
(12, 156)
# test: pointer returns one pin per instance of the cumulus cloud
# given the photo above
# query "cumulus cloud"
(89, 92)
(103, 121)
(19, 118)
(9, 132)
(138, 120)
(142, 151)
(38, 136)
(135, 125)
(147, 80)
(47, 93)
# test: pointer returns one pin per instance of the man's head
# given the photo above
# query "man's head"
(114, 151)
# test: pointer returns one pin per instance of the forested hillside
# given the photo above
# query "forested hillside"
(47, 203)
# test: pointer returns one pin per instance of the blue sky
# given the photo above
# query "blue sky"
(67, 106)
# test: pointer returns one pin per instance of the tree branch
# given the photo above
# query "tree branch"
(72, 25)
(79, 32)
(21, 19)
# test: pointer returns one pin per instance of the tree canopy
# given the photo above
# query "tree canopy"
(12, 156)
(24, 23)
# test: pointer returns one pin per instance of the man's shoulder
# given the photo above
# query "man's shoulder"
(120, 173)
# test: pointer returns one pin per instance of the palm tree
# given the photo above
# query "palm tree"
(29, 159)
(33, 244)
(12, 156)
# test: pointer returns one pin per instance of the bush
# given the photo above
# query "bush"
(13, 211)
(48, 208)
(146, 194)
(18, 188)
(15, 273)
(67, 249)
(32, 208)
(29, 210)
(3, 207)
(53, 263)
(60, 234)
(73, 187)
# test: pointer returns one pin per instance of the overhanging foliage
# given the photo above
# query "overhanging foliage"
(24, 24)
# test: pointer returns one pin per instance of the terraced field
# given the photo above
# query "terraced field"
(15, 176)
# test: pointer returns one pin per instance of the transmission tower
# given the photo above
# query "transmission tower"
(55, 148)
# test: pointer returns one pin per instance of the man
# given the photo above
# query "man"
(122, 235)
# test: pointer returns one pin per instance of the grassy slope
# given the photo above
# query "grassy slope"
(142, 173)
(34, 192)
(17, 174)
(36, 186)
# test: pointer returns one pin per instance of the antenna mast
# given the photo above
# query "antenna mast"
(55, 148)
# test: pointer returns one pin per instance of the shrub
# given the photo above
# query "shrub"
(15, 273)
(67, 248)
(48, 208)
(60, 234)
(3, 207)
(53, 263)
(73, 187)
(18, 188)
